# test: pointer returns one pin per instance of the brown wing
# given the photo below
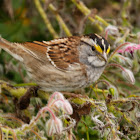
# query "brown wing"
(60, 52)
(35, 50)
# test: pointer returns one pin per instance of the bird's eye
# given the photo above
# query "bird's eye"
(93, 49)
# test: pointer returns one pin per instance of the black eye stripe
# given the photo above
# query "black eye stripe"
(86, 43)
(92, 47)
(98, 40)
(106, 44)
(103, 45)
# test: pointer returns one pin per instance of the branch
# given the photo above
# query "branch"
(60, 20)
(80, 5)
(45, 18)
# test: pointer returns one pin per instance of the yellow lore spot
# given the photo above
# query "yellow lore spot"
(98, 48)
(108, 50)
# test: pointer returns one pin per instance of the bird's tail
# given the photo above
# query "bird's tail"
(13, 49)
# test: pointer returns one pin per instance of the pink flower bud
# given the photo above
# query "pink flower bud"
(63, 105)
(54, 126)
(67, 107)
(128, 75)
(55, 96)
(111, 30)
(130, 47)
(58, 95)
(122, 59)
(58, 104)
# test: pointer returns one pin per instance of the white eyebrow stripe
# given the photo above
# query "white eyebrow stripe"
(103, 43)
(95, 41)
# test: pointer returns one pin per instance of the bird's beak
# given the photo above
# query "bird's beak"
(104, 55)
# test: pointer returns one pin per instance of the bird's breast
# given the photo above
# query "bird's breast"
(94, 73)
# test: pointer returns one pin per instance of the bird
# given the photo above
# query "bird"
(63, 64)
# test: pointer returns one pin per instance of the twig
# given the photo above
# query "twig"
(60, 20)
(80, 5)
(20, 91)
(45, 18)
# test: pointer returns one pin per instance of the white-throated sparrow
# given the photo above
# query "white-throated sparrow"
(64, 64)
